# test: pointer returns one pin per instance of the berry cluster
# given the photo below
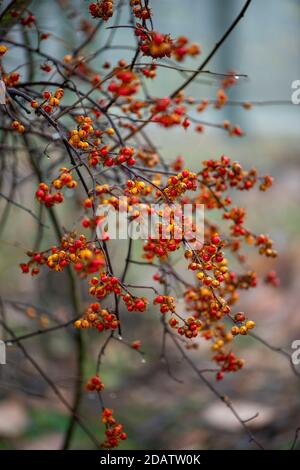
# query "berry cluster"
(46, 67)
(190, 327)
(272, 278)
(233, 130)
(237, 215)
(229, 80)
(100, 155)
(265, 246)
(178, 163)
(242, 281)
(51, 101)
(228, 362)
(11, 79)
(160, 247)
(223, 174)
(127, 85)
(125, 156)
(242, 327)
(154, 44)
(136, 344)
(209, 259)
(17, 126)
(46, 195)
(137, 187)
(79, 136)
(94, 384)
(204, 304)
(222, 99)
(83, 255)
(28, 20)
(135, 304)
(169, 113)
(114, 430)
(148, 158)
(97, 317)
(182, 48)
(102, 9)
(157, 45)
(177, 185)
(166, 302)
(141, 12)
(95, 157)
(266, 183)
(104, 285)
(25, 267)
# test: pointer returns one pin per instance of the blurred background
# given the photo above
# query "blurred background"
(157, 411)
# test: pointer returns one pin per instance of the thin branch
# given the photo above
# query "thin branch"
(20, 206)
(213, 51)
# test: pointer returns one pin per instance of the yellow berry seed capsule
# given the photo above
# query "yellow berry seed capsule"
(82, 133)
(44, 321)
(57, 184)
(235, 330)
(34, 104)
(3, 49)
(243, 330)
(59, 93)
(31, 312)
(250, 324)
(92, 317)
(85, 254)
(110, 131)
(67, 58)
